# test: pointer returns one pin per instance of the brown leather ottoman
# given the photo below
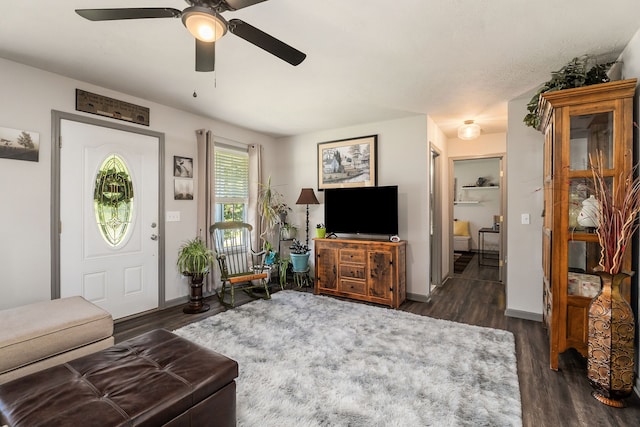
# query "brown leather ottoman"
(155, 379)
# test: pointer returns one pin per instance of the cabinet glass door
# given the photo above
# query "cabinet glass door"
(582, 260)
(591, 133)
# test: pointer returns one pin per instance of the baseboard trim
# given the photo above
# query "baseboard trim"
(526, 315)
(418, 297)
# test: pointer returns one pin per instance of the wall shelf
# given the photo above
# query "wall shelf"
(490, 187)
(466, 202)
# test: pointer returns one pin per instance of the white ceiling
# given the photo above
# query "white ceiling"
(367, 60)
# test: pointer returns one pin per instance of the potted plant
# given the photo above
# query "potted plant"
(321, 231)
(299, 253)
(610, 362)
(272, 210)
(194, 261)
(288, 231)
(283, 266)
(581, 71)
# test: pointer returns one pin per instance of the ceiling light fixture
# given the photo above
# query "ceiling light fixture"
(469, 130)
(204, 24)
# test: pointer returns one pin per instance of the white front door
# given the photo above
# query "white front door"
(109, 258)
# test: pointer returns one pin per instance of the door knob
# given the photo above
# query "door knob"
(154, 237)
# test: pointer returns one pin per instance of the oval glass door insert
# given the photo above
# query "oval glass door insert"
(113, 199)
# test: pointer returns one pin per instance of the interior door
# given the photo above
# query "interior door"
(109, 214)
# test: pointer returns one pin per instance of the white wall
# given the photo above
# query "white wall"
(403, 155)
(491, 143)
(524, 194)
(28, 95)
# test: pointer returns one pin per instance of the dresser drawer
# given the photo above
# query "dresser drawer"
(353, 287)
(353, 256)
(354, 271)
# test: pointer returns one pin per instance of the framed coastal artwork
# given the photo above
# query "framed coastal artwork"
(348, 163)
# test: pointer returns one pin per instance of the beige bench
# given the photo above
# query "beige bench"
(39, 335)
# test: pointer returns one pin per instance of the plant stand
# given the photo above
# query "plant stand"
(196, 300)
(302, 278)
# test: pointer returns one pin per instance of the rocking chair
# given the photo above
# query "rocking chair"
(241, 268)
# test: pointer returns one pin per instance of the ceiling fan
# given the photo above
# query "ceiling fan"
(203, 20)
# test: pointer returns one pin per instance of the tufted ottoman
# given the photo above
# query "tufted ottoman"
(155, 379)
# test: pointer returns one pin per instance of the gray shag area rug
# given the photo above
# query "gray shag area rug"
(308, 360)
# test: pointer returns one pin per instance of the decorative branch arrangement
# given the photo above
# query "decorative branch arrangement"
(617, 214)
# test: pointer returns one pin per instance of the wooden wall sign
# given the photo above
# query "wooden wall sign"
(109, 107)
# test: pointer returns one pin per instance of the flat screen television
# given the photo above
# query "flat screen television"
(362, 210)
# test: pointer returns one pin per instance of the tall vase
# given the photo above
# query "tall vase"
(610, 361)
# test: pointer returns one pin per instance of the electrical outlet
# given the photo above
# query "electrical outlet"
(525, 219)
(173, 216)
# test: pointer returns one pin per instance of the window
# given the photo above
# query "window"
(231, 185)
(113, 200)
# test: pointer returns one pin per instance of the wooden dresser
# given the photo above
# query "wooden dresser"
(367, 270)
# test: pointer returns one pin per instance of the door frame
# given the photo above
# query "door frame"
(435, 210)
(56, 118)
(502, 158)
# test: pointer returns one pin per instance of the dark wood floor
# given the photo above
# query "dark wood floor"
(549, 398)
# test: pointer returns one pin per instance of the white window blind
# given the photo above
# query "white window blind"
(232, 176)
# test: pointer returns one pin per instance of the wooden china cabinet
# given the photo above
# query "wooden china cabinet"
(578, 123)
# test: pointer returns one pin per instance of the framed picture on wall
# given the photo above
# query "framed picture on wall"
(183, 189)
(19, 144)
(348, 163)
(182, 167)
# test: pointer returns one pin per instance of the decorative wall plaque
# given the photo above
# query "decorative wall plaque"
(109, 107)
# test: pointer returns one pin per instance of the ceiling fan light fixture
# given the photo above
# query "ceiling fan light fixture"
(469, 130)
(204, 24)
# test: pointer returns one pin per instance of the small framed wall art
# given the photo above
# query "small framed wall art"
(18, 144)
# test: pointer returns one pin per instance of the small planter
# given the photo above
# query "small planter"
(300, 262)
(321, 233)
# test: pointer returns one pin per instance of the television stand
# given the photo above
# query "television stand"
(366, 270)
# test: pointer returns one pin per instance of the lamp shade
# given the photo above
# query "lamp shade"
(307, 197)
(469, 130)
(204, 24)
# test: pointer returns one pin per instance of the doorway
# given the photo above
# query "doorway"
(477, 229)
(107, 243)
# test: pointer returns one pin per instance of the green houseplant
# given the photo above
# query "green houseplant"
(272, 210)
(580, 71)
(194, 261)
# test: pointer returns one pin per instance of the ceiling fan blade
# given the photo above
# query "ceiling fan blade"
(265, 41)
(239, 4)
(205, 55)
(128, 13)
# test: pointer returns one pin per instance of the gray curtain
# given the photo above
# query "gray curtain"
(255, 180)
(206, 196)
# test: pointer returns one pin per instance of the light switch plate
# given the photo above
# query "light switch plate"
(173, 216)
(525, 219)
